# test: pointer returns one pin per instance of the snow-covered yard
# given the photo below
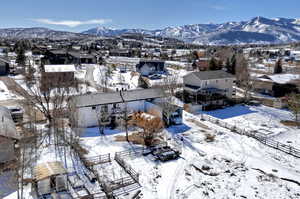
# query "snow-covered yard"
(116, 80)
(263, 119)
(232, 166)
(229, 166)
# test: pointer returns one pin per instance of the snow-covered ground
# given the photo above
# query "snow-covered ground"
(263, 119)
(5, 94)
(116, 80)
(232, 166)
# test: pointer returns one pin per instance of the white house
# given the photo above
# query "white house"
(207, 81)
(208, 90)
(110, 107)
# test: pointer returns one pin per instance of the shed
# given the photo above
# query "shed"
(48, 169)
(50, 177)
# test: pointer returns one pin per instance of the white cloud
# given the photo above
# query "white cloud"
(72, 23)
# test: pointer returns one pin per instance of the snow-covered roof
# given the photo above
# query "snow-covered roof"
(280, 78)
(295, 52)
(59, 68)
(48, 169)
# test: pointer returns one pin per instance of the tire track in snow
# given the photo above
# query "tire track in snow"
(176, 174)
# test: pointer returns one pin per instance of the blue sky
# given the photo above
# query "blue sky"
(78, 15)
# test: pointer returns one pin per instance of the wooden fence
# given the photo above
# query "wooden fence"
(118, 186)
(256, 135)
(135, 152)
(95, 160)
(126, 167)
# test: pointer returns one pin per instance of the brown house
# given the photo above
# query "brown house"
(201, 64)
(57, 76)
(276, 85)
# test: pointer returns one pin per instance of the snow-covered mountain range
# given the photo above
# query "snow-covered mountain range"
(32, 33)
(256, 30)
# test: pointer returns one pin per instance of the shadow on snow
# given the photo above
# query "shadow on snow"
(94, 132)
(229, 112)
(176, 129)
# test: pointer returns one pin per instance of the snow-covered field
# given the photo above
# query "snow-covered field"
(262, 119)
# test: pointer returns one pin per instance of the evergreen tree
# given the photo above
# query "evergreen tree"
(21, 58)
(233, 64)
(278, 67)
(213, 65)
(228, 65)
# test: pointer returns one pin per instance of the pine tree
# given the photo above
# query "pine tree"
(233, 64)
(228, 65)
(21, 59)
(278, 67)
(213, 65)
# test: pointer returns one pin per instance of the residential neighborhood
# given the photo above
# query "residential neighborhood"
(188, 112)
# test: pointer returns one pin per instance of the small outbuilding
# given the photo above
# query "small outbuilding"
(50, 177)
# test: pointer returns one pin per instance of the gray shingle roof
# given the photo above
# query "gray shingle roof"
(216, 74)
(7, 125)
(116, 97)
(96, 99)
(151, 93)
(81, 55)
(59, 51)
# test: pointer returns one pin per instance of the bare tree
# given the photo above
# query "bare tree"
(49, 96)
(171, 83)
(293, 101)
(243, 76)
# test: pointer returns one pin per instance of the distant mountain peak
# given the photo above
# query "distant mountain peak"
(259, 29)
(256, 30)
(37, 32)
